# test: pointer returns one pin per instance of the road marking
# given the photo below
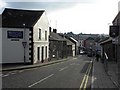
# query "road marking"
(5, 75)
(40, 80)
(63, 68)
(86, 76)
(12, 72)
(35, 68)
(21, 71)
(92, 86)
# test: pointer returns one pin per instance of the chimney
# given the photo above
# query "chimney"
(50, 29)
(118, 6)
(55, 30)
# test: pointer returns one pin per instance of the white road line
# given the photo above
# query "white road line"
(5, 75)
(21, 71)
(92, 81)
(40, 80)
(35, 68)
(12, 72)
(63, 68)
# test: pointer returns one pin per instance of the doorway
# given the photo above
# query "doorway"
(42, 54)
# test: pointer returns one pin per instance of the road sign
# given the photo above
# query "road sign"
(24, 44)
(115, 40)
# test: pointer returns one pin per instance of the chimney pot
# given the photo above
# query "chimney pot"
(55, 30)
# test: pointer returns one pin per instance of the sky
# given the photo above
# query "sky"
(77, 16)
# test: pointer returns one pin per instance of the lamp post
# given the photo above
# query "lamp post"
(24, 43)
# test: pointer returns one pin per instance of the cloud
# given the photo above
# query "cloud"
(2, 4)
(80, 1)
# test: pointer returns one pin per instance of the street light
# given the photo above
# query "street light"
(24, 43)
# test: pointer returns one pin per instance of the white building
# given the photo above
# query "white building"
(76, 45)
(24, 36)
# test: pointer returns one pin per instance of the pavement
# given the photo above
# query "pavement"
(113, 72)
(101, 79)
(11, 67)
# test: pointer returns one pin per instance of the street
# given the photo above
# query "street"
(73, 73)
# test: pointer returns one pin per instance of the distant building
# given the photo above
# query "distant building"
(76, 45)
(24, 36)
(71, 46)
(89, 43)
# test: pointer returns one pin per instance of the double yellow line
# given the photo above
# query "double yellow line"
(85, 78)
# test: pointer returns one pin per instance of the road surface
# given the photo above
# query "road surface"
(74, 73)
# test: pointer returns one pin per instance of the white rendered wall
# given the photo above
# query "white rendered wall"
(42, 24)
(73, 49)
(13, 51)
(0, 45)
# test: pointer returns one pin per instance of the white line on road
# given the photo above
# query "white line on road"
(12, 72)
(5, 75)
(92, 81)
(40, 80)
(63, 68)
(21, 71)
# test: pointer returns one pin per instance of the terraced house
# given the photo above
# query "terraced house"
(24, 36)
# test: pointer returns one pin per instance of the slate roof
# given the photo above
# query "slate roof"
(58, 37)
(55, 36)
(106, 41)
(67, 38)
(69, 42)
(90, 38)
(18, 17)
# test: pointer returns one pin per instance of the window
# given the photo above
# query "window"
(45, 35)
(39, 34)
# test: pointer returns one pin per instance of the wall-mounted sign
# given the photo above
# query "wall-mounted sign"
(114, 31)
(15, 34)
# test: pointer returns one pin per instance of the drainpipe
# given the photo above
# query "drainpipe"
(24, 43)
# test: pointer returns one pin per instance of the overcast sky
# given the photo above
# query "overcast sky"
(86, 16)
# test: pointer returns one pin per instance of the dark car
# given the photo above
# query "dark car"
(89, 54)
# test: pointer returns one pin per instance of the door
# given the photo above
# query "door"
(42, 54)
(38, 53)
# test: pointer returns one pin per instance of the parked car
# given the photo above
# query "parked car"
(82, 52)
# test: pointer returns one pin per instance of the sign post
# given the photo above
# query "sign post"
(24, 44)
